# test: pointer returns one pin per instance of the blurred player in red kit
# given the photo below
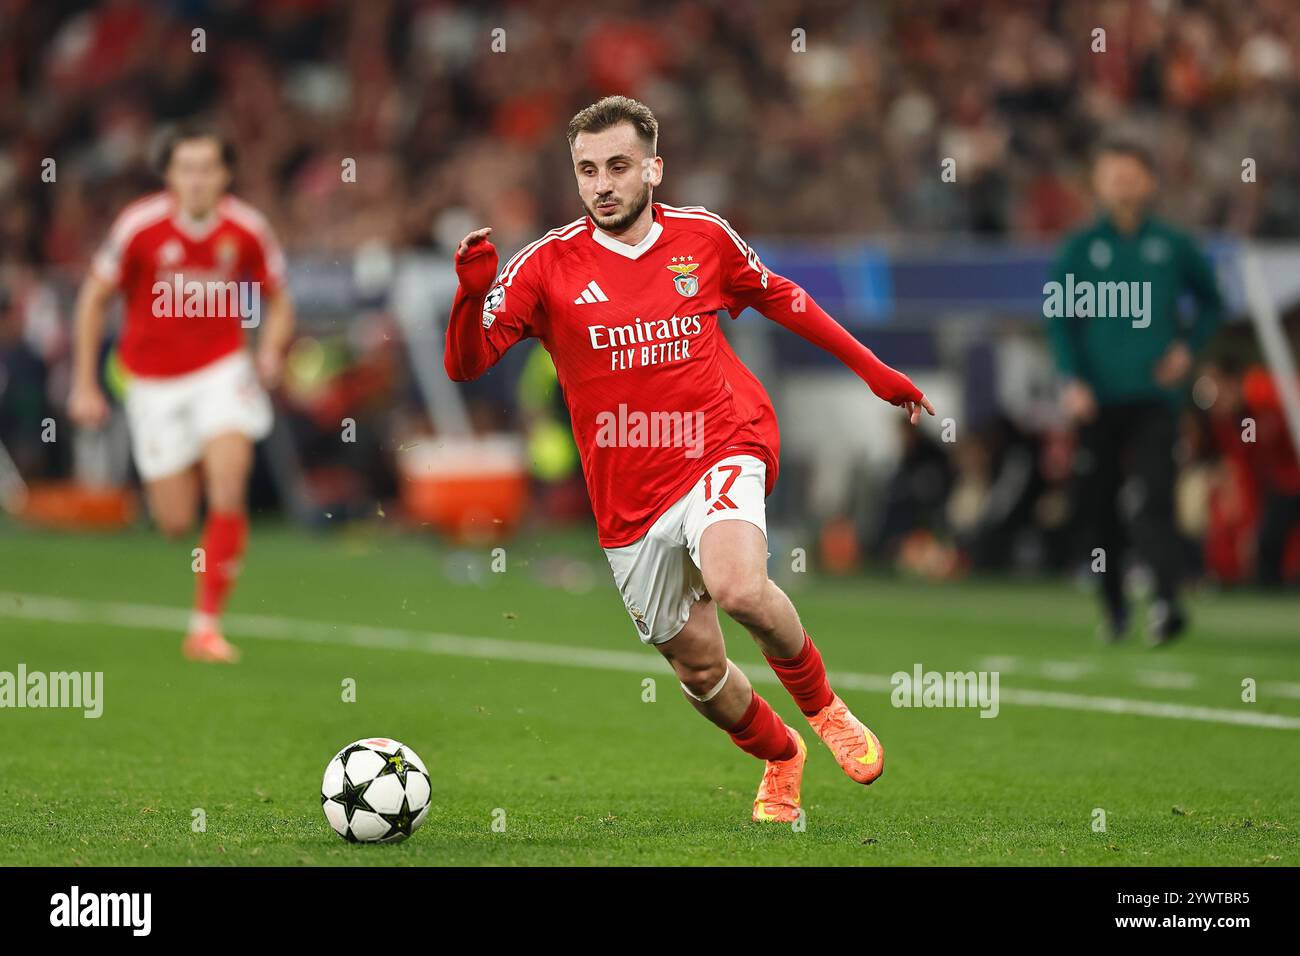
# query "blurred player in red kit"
(678, 440)
(195, 267)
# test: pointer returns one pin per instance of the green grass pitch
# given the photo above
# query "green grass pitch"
(525, 699)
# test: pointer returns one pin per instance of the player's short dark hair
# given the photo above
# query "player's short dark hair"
(1127, 146)
(186, 132)
(612, 110)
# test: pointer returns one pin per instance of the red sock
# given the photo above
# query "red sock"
(763, 733)
(804, 676)
(224, 534)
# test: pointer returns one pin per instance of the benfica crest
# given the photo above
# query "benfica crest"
(685, 283)
(639, 617)
(227, 252)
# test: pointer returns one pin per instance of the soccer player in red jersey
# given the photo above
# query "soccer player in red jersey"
(195, 266)
(678, 440)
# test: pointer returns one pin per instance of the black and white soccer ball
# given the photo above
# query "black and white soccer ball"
(375, 790)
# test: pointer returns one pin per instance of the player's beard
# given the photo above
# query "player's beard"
(621, 220)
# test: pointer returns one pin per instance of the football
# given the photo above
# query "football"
(375, 790)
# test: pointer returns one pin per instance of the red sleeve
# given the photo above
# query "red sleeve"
(487, 317)
(265, 262)
(748, 283)
(112, 258)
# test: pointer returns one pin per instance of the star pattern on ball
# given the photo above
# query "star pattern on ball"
(399, 823)
(397, 764)
(352, 798)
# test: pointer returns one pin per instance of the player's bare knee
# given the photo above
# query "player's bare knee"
(175, 525)
(742, 596)
(700, 680)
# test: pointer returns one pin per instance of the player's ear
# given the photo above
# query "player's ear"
(652, 170)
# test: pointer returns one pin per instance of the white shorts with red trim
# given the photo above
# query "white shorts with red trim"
(659, 573)
(171, 419)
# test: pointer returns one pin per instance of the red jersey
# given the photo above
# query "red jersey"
(656, 396)
(154, 242)
(655, 393)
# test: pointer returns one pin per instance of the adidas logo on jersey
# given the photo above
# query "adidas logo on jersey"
(590, 294)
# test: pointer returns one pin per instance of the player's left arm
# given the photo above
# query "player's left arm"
(747, 282)
(267, 267)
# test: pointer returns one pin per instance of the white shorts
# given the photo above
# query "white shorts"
(659, 574)
(172, 418)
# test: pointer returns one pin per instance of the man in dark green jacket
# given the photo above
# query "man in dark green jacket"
(1126, 347)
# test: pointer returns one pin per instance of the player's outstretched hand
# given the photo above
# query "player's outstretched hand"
(913, 409)
(891, 385)
(473, 239)
(87, 406)
(476, 261)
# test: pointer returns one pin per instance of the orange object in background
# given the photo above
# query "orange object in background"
(924, 554)
(838, 546)
(473, 489)
(72, 507)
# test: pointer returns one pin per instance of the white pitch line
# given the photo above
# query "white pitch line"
(175, 620)
(1166, 680)
(1064, 670)
(1281, 688)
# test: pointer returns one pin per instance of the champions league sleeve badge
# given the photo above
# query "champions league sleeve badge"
(496, 298)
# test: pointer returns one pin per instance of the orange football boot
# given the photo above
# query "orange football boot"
(778, 794)
(855, 747)
(209, 645)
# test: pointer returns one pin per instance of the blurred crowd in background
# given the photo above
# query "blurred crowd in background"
(843, 138)
(792, 119)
